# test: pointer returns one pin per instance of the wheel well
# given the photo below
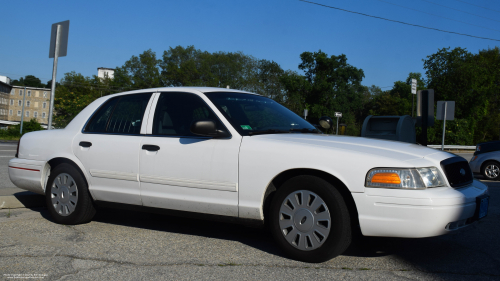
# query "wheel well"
(280, 179)
(56, 161)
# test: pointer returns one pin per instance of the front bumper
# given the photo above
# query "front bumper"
(416, 213)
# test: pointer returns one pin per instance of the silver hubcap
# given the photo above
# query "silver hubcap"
(304, 220)
(492, 171)
(64, 194)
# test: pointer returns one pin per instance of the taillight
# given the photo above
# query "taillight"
(17, 150)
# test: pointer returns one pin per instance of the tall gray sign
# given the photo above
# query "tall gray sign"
(58, 48)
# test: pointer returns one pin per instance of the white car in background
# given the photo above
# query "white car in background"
(233, 154)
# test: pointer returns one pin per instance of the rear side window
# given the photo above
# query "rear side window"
(175, 112)
(120, 115)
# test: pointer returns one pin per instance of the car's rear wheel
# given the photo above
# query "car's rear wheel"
(491, 170)
(67, 196)
(310, 220)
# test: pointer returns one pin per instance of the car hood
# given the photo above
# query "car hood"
(383, 148)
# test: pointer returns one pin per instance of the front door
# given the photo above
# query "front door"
(109, 148)
(182, 171)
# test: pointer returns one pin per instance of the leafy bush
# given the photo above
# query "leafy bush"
(13, 132)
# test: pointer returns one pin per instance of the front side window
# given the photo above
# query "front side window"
(11, 102)
(45, 94)
(35, 114)
(44, 105)
(27, 113)
(19, 113)
(43, 114)
(10, 112)
(20, 92)
(28, 103)
(120, 115)
(250, 114)
(12, 92)
(175, 112)
(29, 93)
(19, 102)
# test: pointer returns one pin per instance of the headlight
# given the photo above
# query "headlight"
(416, 178)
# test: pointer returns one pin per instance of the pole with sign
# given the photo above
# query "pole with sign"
(445, 111)
(414, 92)
(305, 113)
(58, 48)
(338, 115)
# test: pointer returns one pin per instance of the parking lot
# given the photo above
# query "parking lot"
(126, 245)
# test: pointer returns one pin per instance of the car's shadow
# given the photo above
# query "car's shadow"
(469, 251)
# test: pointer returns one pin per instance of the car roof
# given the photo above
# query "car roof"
(183, 89)
(487, 142)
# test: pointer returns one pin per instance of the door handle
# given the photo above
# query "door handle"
(150, 147)
(85, 144)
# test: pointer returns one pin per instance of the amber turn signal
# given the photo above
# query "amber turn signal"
(391, 178)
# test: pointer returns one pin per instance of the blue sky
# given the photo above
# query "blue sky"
(107, 33)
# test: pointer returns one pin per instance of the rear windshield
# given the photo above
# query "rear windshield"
(487, 147)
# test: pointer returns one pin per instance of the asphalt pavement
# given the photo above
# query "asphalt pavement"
(7, 152)
(126, 245)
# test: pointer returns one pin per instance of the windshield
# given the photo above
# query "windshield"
(251, 114)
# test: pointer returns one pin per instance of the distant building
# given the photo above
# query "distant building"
(36, 104)
(5, 79)
(103, 72)
(5, 90)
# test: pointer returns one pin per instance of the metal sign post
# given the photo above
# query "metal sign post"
(338, 115)
(444, 125)
(22, 110)
(445, 111)
(414, 92)
(305, 113)
(58, 48)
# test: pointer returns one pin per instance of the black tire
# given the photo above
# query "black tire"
(340, 233)
(491, 170)
(83, 211)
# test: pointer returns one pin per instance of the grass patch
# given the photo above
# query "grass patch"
(364, 268)
(8, 214)
(8, 138)
(347, 268)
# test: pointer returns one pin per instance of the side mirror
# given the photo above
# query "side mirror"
(207, 128)
(326, 122)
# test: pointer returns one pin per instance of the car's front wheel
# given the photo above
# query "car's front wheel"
(491, 170)
(67, 196)
(310, 220)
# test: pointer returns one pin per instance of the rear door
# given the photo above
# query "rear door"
(109, 148)
(182, 171)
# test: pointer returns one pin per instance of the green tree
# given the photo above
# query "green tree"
(73, 94)
(332, 85)
(28, 81)
(140, 72)
(473, 82)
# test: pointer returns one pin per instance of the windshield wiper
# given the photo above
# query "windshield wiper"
(270, 131)
(306, 130)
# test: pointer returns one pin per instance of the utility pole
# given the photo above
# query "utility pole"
(22, 110)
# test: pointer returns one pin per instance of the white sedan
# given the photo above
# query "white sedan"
(222, 153)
